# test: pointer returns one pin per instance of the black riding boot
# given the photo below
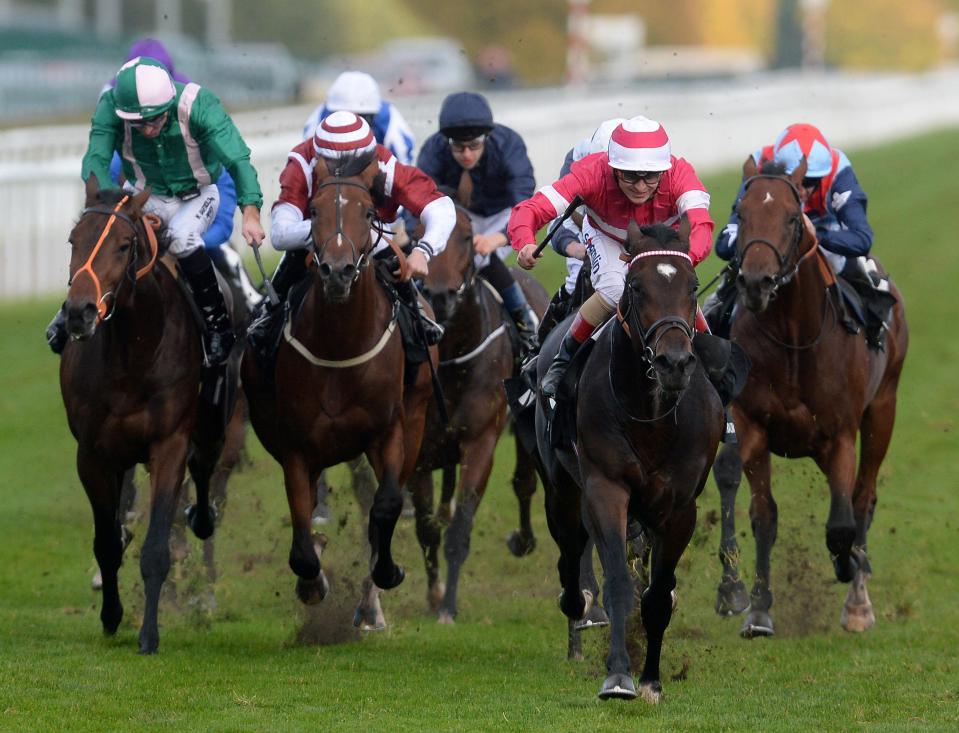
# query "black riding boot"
(877, 299)
(498, 275)
(218, 338)
(57, 335)
(265, 318)
(718, 308)
(557, 368)
(432, 330)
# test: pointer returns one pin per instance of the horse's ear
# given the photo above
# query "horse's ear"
(684, 228)
(140, 199)
(368, 175)
(92, 189)
(633, 237)
(750, 168)
(799, 173)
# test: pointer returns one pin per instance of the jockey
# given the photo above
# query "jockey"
(834, 205)
(358, 92)
(637, 179)
(175, 138)
(346, 134)
(486, 163)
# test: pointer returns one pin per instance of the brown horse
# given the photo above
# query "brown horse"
(647, 423)
(476, 355)
(812, 388)
(339, 387)
(130, 378)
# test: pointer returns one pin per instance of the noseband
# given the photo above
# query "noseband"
(360, 260)
(150, 223)
(660, 327)
(786, 270)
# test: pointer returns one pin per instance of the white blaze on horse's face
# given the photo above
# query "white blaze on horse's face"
(339, 239)
(667, 271)
(343, 201)
(768, 199)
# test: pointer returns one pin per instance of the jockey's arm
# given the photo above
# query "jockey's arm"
(102, 144)
(853, 237)
(416, 192)
(692, 200)
(288, 228)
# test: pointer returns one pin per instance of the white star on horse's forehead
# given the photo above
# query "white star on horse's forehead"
(769, 197)
(343, 200)
(667, 271)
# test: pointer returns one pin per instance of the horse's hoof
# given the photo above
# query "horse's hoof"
(757, 623)
(857, 619)
(149, 643)
(111, 622)
(731, 598)
(446, 618)
(202, 529)
(595, 617)
(618, 687)
(96, 582)
(312, 591)
(389, 580)
(519, 544)
(366, 619)
(651, 692)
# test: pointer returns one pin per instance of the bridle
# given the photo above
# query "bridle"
(790, 261)
(150, 223)
(361, 259)
(650, 337)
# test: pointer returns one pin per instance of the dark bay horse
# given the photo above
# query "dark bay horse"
(476, 355)
(648, 423)
(812, 389)
(130, 378)
(339, 389)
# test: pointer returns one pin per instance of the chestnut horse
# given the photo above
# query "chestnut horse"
(648, 423)
(812, 389)
(339, 388)
(130, 378)
(476, 355)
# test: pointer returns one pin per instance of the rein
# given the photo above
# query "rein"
(484, 344)
(150, 223)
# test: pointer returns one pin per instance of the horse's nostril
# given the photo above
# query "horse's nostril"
(349, 272)
(325, 270)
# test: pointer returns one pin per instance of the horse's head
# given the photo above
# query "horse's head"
(343, 210)
(109, 247)
(452, 270)
(771, 240)
(659, 302)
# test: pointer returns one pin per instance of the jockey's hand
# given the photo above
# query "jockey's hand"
(252, 229)
(526, 259)
(809, 227)
(484, 244)
(576, 250)
(418, 264)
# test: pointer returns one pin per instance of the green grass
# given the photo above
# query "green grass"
(502, 666)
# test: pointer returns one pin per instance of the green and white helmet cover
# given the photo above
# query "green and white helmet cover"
(144, 89)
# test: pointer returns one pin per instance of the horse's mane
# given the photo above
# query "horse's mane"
(772, 168)
(666, 237)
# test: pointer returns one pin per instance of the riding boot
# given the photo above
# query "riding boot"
(877, 299)
(57, 335)
(557, 368)
(410, 295)
(718, 307)
(265, 316)
(218, 337)
(499, 276)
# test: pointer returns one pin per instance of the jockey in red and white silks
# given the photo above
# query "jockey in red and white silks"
(637, 179)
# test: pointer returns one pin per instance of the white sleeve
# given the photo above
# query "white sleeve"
(288, 228)
(439, 218)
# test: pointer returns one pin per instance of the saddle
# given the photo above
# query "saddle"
(870, 306)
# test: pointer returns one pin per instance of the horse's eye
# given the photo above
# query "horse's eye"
(124, 248)
(370, 215)
(312, 211)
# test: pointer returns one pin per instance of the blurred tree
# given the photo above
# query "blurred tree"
(898, 35)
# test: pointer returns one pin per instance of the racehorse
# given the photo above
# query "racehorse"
(476, 355)
(647, 425)
(130, 379)
(339, 388)
(813, 387)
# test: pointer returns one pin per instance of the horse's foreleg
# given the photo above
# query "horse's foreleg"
(102, 487)
(606, 504)
(731, 596)
(311, 584)
(875, 435)
(839, 465)
(167, 468)
(428, 532)
(595, 615)
(387, 458)
(522, 541)
(657, 600)
(764, 516)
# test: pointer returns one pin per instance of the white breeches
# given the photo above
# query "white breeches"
(607, 271)
(490, 225)
(185, 221)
